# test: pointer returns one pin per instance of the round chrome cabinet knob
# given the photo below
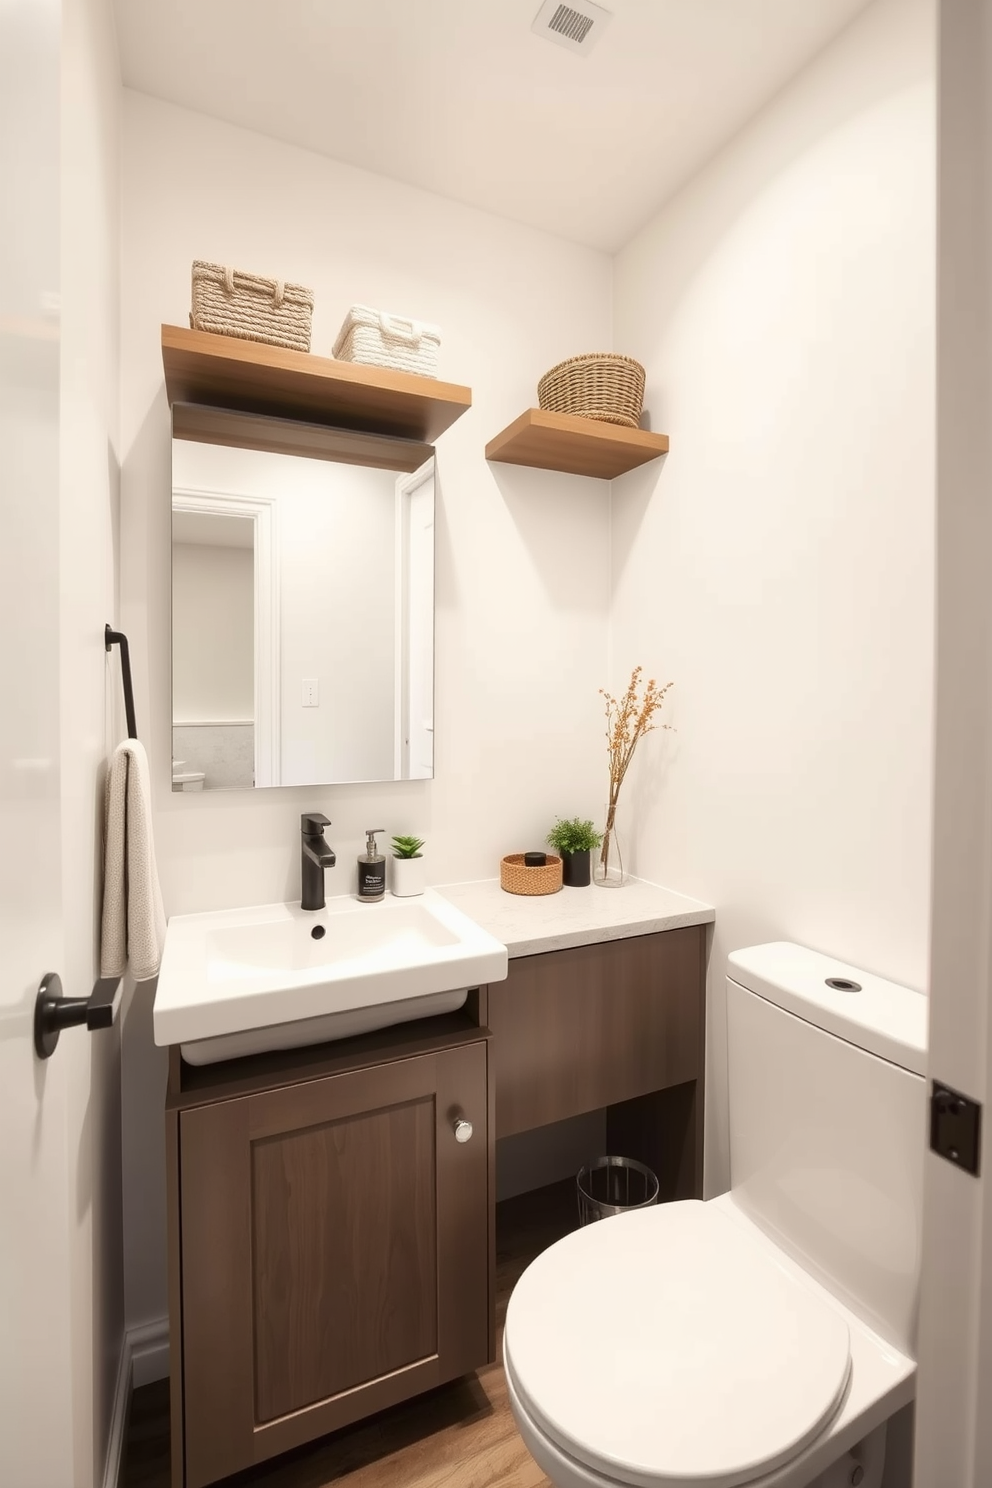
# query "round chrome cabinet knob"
(463, 1130)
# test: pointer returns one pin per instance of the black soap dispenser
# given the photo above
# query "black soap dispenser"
(371, 870)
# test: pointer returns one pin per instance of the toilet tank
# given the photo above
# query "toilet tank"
(827, 1104)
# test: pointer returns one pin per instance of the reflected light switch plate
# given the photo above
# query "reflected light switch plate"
(310, 692)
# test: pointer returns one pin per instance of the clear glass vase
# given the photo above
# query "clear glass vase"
(607, 869)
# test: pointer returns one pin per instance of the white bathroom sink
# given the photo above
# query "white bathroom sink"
(244, 970)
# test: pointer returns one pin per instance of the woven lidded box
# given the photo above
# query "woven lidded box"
(599, 386)
(382, 340)
(516, 878)
(232, 303)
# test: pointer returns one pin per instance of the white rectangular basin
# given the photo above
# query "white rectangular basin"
(242, 970)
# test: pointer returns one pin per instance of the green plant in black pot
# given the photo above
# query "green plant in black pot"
(573, 840)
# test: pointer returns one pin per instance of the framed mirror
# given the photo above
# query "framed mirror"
(302, 604)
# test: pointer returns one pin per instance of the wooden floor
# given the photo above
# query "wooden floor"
(460, 1436)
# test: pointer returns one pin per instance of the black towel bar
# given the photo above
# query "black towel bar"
(53, 1011)
(118, 638)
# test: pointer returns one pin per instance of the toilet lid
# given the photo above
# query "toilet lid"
(668, 1346)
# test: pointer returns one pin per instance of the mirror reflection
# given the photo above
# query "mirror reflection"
(302, 619)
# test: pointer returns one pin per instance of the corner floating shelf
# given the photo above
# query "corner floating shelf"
(577, 446)
(248, 377)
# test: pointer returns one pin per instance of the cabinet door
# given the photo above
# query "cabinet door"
(335, 1253)
(578, 1029)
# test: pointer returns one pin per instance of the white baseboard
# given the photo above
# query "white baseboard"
(144, 1357)
(149, 1347)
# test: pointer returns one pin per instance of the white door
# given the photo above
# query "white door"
(36, 1405)
(415, 627)
(953, 1417)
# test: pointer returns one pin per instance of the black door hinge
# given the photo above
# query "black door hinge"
(955, 1127)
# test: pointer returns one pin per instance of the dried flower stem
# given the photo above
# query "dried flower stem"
(628, 719)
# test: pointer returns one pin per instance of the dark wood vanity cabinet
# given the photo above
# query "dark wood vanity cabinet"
(618, 1025)
(334, 1241)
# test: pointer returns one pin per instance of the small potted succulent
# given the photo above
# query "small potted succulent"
(573, 841)
(408, 866)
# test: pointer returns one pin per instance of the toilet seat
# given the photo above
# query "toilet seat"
(665, 1347)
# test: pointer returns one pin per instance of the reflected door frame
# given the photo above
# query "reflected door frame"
(406, 702)
(260, 510)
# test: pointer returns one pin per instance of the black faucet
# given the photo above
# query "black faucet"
(315, 857)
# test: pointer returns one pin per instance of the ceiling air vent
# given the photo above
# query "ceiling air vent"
(577, 26)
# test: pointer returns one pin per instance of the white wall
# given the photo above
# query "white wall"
(522, 589)
(213, 655)
(778, 566)
(522, 581)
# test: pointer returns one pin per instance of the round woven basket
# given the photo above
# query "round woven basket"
(599, 386)
(516, 879)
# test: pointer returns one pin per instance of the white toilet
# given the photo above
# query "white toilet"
(186, 780)
(766, 1336)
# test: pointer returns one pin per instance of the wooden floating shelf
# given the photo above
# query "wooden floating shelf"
(249, 377)
(203, 424)
(577, 446)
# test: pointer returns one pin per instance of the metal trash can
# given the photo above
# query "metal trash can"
(614, 1185)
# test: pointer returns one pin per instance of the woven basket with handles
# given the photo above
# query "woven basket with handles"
(379, 339)
(599, 385)
(232, 303)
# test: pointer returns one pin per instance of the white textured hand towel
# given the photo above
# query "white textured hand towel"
(133, 929)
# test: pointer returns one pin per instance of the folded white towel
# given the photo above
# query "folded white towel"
(133, 928)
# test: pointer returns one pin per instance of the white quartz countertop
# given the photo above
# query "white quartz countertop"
(529, 924)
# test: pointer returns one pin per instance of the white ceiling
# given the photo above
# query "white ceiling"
(459, 97)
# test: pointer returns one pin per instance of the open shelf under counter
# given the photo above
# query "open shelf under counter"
(250, 377)
(576, 446)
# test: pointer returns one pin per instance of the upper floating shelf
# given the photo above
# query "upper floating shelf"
(577, 446)
(249, 377)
